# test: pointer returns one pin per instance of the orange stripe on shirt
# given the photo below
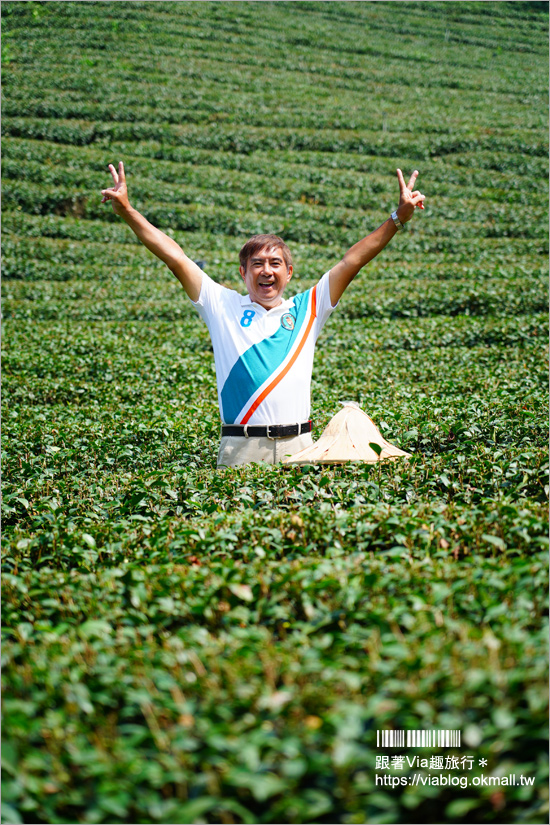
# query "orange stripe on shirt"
(283, 372)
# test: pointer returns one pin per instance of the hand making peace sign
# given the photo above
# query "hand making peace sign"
(118, 194)
(408, 199)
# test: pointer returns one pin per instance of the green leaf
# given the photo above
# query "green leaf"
(95, 627)
(242, 591)
(495, 540)
(9, 757)
(459, 808)
(10, 814)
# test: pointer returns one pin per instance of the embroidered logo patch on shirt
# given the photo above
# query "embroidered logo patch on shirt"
(288, 321)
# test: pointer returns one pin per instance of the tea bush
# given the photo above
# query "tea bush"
(183, 644)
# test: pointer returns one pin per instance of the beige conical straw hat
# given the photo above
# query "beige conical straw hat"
(348, 437)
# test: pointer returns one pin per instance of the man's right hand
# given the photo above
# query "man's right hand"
(163, 246)
(118, 194)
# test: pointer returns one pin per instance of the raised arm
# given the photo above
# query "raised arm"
(368, 248)
(186, 271)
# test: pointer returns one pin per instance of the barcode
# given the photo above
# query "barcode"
(418, 738)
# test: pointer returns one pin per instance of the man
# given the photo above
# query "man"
(263, 344)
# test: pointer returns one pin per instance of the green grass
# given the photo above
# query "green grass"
(183, 644)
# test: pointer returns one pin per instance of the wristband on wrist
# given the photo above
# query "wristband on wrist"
(397, 222)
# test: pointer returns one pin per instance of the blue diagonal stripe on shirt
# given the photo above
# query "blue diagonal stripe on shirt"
(259, 362)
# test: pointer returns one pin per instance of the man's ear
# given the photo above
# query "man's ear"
(241, 270)
(290, 271)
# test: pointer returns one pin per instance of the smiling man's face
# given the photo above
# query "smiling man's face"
(266, 277)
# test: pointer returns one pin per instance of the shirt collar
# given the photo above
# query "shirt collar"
(247, 301)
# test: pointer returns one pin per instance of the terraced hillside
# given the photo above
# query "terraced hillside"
(183, 644)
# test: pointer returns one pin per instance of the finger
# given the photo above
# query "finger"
(419, 200)
(108, 193)
(401, 180)
(121, 175)
(413, 178)
(113, 172)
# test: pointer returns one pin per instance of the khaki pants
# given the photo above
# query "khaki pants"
(237, 449)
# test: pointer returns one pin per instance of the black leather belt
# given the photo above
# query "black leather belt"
(271, 431)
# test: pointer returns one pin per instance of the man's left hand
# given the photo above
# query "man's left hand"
(409, 198)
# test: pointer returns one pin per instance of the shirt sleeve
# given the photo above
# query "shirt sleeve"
(324, 306)
(209, 298)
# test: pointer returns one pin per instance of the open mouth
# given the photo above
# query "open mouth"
(266, 284)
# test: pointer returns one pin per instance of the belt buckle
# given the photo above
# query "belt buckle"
(271, 437)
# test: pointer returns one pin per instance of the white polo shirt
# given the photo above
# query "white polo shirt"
(263, 357)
